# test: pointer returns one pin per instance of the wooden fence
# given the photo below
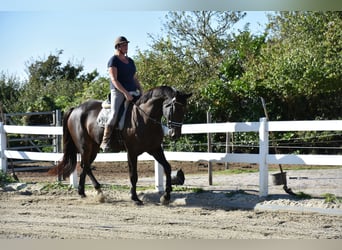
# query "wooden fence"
(34, 142)
(263, 158)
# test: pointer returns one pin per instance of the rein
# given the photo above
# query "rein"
(149, 117)
(170, 123)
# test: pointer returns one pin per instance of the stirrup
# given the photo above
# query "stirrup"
(105, 148)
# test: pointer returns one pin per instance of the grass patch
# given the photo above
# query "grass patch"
(302, 195)
(331, 198)
(144, 188)
(255, 168)
(56, 186)
(115, 187)
(6, 178)
(188, 189)
(61, 186)
(306, 167)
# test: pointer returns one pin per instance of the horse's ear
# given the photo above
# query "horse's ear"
(186, 96)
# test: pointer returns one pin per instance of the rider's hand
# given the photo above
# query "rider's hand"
(129, 97)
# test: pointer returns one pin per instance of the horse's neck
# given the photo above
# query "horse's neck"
(153, 109)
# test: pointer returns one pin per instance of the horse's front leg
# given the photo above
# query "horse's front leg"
(133, 175)
(160, 157)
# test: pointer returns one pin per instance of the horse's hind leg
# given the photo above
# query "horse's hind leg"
(81, 183)
(100, 197)
(87, 167)
(86, 170)
(96, 184)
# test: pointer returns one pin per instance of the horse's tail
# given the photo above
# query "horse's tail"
(69, 161)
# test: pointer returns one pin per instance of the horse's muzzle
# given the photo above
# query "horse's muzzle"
(175, 133)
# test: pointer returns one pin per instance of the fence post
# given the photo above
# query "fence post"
(210, 165)
(263, 152)
(3, 147)
(226, 164)
(73, 178)
(158, 176)
(58, 138)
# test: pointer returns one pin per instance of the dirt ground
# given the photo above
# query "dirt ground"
(34, 211)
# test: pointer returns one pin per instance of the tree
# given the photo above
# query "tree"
(52, 85)
(300, 69)
(230, 98)
(9, 93)
(190, 56)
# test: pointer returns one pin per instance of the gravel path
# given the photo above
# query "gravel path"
(230, 209)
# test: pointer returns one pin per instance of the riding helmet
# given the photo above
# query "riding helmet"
(120, 40)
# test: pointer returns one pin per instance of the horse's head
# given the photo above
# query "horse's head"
(174, 109)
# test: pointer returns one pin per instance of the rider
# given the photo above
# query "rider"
(123, 79)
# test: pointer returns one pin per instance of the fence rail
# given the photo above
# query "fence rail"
(263, 158)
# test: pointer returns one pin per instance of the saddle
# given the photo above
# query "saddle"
(105, 112)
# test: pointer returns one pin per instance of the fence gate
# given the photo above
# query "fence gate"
(33, 143)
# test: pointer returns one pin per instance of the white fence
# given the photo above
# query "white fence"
(263, 158)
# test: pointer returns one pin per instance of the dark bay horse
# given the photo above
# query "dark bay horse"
(142, 132)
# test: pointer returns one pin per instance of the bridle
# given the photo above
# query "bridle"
(170, 123)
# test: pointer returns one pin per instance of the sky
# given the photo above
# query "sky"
(86, 37)
(86, 29)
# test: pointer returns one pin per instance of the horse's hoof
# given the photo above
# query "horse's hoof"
(83, 196)
(138, 202)
(164, 201)
(101, 197)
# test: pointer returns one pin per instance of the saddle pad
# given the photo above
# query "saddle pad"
(105, 104)
(103, 117)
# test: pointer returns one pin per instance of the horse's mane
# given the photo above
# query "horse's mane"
(156, 93)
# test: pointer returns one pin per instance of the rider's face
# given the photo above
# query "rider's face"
(124, 48)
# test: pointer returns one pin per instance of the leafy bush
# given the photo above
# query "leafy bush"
(6, 178)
